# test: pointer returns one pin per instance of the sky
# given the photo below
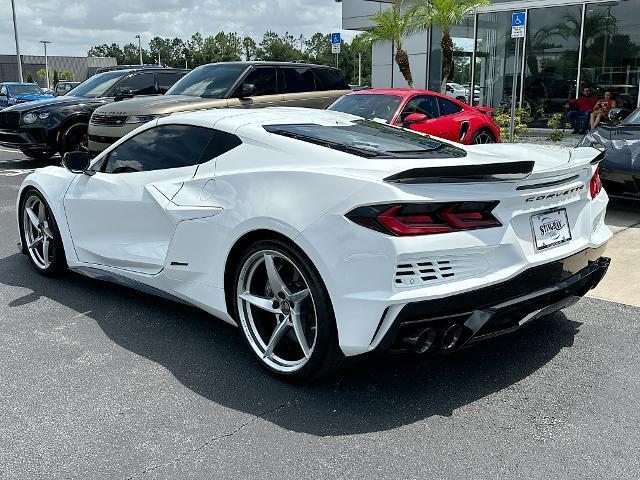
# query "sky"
(73, 26)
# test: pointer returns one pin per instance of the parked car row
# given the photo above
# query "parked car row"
(43, 128)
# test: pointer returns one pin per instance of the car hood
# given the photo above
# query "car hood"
(30, 97)
(157, 105)
(53, 102)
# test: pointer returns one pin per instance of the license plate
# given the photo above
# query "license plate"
(550, 229)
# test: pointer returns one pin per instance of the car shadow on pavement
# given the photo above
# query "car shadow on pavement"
(208, 356)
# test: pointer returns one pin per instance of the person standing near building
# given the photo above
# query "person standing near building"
(579, 118)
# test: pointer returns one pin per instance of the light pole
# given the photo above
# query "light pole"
(139, 48)
(15, 32)
(46, 61)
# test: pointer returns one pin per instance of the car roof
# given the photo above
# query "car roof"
(18, 83)
(230, 119)
(271, 63)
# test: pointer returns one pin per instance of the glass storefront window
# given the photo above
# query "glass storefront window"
(494, 59)
(462, 36)
(611, 56)
(551, 63)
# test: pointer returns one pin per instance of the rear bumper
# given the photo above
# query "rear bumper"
(501, 308)
(24, 139)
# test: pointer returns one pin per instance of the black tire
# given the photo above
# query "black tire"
(326, 356)
(483, 136)
(74, 138)
(58, 262)
(40, 155)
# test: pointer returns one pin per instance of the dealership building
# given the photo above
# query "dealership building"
(81, 67)
(567, 43)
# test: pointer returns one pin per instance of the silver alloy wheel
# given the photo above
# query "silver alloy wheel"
(277, 311)
(38, 235)
(482, 138)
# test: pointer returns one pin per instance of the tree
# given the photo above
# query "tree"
(249, 48)
(394, 25)
(444, 14)
(66, 75)
(105, 50)
(30, 78)
(42, 74)
(56, 78)
(278, 48)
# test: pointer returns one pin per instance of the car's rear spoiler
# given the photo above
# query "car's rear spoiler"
(485, 110)
(491, 172)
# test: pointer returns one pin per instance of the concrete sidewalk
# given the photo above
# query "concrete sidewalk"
(622, 282)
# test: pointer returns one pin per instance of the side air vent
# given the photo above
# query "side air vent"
(427, 271)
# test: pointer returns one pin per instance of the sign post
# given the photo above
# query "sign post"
(518, 29)
(335, 45)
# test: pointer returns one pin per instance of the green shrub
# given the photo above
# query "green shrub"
(558, 123)
(502, 117)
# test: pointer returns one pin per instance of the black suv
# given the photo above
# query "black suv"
(42, 128)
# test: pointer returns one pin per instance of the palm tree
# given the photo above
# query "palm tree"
(393, 25)
(445, 14)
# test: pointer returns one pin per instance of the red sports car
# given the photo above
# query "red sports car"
(423, 111)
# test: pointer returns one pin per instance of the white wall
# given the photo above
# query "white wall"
(382, 63)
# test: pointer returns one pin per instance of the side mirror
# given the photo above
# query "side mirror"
(248, 90)
(615, 115)
(414, 118)
(76, 162)
(123, 93)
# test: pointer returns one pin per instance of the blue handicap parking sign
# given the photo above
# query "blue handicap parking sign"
(335, 38)
(518, 19)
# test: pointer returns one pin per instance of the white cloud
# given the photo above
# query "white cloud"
(75, 26)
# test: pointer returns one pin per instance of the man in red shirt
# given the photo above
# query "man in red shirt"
(579, 118)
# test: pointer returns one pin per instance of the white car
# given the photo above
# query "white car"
(324, 235)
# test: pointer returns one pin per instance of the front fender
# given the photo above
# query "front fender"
(52, 183)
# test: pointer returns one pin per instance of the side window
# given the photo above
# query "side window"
(299, 79)
(264, 79)
(425, 104)
(166, 146)
(447, 107)
(167, 79)
(330, 79)
(3, 90)
(141, 84)
(221, 142)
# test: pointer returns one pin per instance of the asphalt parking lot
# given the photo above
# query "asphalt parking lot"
(103, 382)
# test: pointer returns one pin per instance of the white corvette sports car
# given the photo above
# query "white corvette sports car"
(324, 235)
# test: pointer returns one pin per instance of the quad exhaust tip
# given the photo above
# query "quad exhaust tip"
(423, 341)
(451, 336)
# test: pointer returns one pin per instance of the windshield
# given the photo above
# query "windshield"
(24, 89)
(208, 81)
(98, 85)
(367, 138)
(633, 118)
(368, 105)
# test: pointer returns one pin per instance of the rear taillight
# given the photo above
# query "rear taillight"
(595, 186)
(412, 219)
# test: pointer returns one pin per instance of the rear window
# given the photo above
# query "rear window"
(368, 105)
(330, 79)
(298, 79)
(447, 107)
(369, 139)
